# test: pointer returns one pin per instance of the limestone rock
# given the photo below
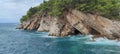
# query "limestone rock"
(61, 27)
(77, 23)
(100, 24)
(31, 24)
(34, 24)
(45, 23)
(74, 22)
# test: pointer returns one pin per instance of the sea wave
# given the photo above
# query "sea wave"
(46, 36)
(103, 41)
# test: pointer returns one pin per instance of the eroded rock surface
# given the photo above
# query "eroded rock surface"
(45, 23)
(74, 22)
(61, 27)
(104, 26)
(31, 24)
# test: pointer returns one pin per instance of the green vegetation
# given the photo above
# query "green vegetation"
(106, 8)
(29, 14)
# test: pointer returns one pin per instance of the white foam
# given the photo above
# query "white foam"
(81, 37)
(46, 36)
(113, 51)
(103, 41)
(88, 40)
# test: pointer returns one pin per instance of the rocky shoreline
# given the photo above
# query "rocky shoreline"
(72, 23)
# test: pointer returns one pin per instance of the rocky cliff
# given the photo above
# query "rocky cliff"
(74, 22)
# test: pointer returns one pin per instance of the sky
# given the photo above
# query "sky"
(12, 10)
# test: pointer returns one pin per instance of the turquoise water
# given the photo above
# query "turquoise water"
(13, 41)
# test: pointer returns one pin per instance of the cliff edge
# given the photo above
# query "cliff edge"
(74, 22)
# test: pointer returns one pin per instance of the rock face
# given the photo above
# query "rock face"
(101, 25)
(45, 23)
(61, 27)
(31, 24)
(19, 26)
(74, 22)
(77, 23)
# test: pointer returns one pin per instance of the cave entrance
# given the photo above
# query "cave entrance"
(94, 32)
(76, 32)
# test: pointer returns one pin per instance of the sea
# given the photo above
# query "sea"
(15, 41)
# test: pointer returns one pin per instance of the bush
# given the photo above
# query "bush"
(24, 18)
(106, 8)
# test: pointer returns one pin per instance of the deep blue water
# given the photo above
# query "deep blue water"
(14, 41)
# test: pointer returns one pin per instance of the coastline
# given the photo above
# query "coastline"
(75, 22)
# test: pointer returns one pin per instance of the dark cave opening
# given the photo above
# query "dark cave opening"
(77, 32)
(94, 32)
